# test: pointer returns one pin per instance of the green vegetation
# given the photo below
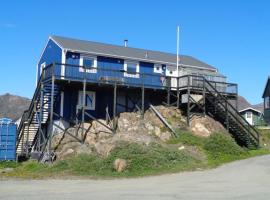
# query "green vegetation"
(142, 160)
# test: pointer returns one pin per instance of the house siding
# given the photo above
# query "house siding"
(267, 116)
(51, 54)
(105, 67)
(256, 117)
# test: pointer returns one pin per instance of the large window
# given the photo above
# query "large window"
(90, 100)
(266, 103)
(131, 69)
(90, 63)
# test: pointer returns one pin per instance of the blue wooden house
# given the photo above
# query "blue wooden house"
(80, 81)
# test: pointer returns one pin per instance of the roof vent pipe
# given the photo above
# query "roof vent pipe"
(146, 54)
(126, 42)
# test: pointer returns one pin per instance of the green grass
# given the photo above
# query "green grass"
(219, 148)
(142, 160)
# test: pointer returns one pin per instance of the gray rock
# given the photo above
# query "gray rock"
(6, 170)
(120, 165)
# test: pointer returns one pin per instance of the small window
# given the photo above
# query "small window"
(266, 102)
(131, 69)
(89, 63)
(158, 68)
(249, 115)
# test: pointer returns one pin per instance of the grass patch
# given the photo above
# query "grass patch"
(8, 164)
(187, 138)
(142, 160)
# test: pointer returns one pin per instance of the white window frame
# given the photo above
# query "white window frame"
(92, 93)
(249, 115)
(131, 75)
(94, 58)
(171, 71)
(158, 68)
(42, 66)
(267, 102)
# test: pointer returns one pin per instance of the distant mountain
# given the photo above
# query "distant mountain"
(259, 107)
(12, 106)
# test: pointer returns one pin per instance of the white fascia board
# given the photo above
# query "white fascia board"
(249, 108)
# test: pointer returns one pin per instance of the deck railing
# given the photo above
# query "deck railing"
(122, 77)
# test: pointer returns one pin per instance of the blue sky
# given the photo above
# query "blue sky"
(231, 35)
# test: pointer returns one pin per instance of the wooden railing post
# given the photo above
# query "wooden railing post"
(188, 102)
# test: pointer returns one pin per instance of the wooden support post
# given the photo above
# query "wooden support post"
(40, 115)
(178, 93)
(22, 138)
(168, 91)
(188, 103)
(114, 105)
(27, 138)
(51, 114)
(83, 106)
(227, 116)
(236, 101)
(142, 108)
(204, 106)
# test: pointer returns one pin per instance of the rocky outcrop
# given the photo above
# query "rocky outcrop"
(205, 126)
(99, 139)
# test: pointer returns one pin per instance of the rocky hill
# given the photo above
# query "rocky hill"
(12, 106)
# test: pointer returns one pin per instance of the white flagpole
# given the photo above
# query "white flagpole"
(177, 52)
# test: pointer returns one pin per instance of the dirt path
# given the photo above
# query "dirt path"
(246, 179)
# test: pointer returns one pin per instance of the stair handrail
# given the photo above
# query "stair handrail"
(231, 106)
(28, 114)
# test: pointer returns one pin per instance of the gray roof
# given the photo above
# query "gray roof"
(127, 52)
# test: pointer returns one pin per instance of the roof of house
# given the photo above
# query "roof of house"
(266, 86)
(128, 52)
(250, 108)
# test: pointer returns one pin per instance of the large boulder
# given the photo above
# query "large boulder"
(205, 126)
(120, 165)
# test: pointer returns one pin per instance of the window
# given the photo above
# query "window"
(266, 102)
(90, 100)
(131, 69)
(42, 66)
(171, 71)
(89, 63)
(158, 68)
(249, 115)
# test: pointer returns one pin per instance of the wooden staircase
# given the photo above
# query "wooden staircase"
(34, 118)
(218, 106)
